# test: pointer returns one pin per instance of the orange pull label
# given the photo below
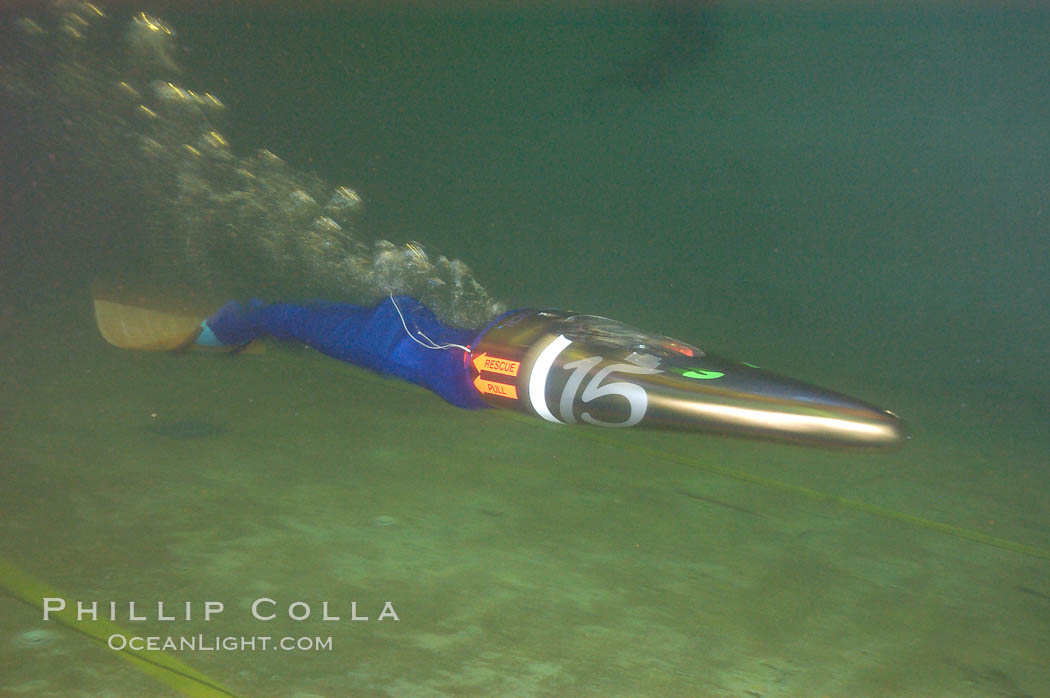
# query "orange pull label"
(493, 388)
(494, 364)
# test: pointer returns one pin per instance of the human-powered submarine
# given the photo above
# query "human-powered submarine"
(569, 368)
(563, 367)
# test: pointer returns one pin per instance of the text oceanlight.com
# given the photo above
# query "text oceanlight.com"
(217, 643)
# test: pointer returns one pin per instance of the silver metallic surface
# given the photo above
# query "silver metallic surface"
(624, 377)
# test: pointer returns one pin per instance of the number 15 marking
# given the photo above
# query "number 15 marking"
(634, 394)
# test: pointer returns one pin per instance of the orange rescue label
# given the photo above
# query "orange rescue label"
(495, 364)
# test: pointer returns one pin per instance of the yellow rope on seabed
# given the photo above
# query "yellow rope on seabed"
(163, 667)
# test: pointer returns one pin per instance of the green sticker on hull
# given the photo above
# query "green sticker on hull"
(701, 374)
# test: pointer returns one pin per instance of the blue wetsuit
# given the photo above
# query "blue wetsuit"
(373, 337)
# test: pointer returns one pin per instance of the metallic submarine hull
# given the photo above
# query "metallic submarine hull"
(569, 368)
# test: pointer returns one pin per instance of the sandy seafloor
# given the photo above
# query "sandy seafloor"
(526, 559)
(521, 558)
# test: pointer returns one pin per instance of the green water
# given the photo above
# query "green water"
(853, 198)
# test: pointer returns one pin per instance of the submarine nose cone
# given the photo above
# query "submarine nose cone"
(749, 401)
(896, 433)
(865, 426)
(816, 415)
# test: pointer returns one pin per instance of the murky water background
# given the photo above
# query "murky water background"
(856, 198)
